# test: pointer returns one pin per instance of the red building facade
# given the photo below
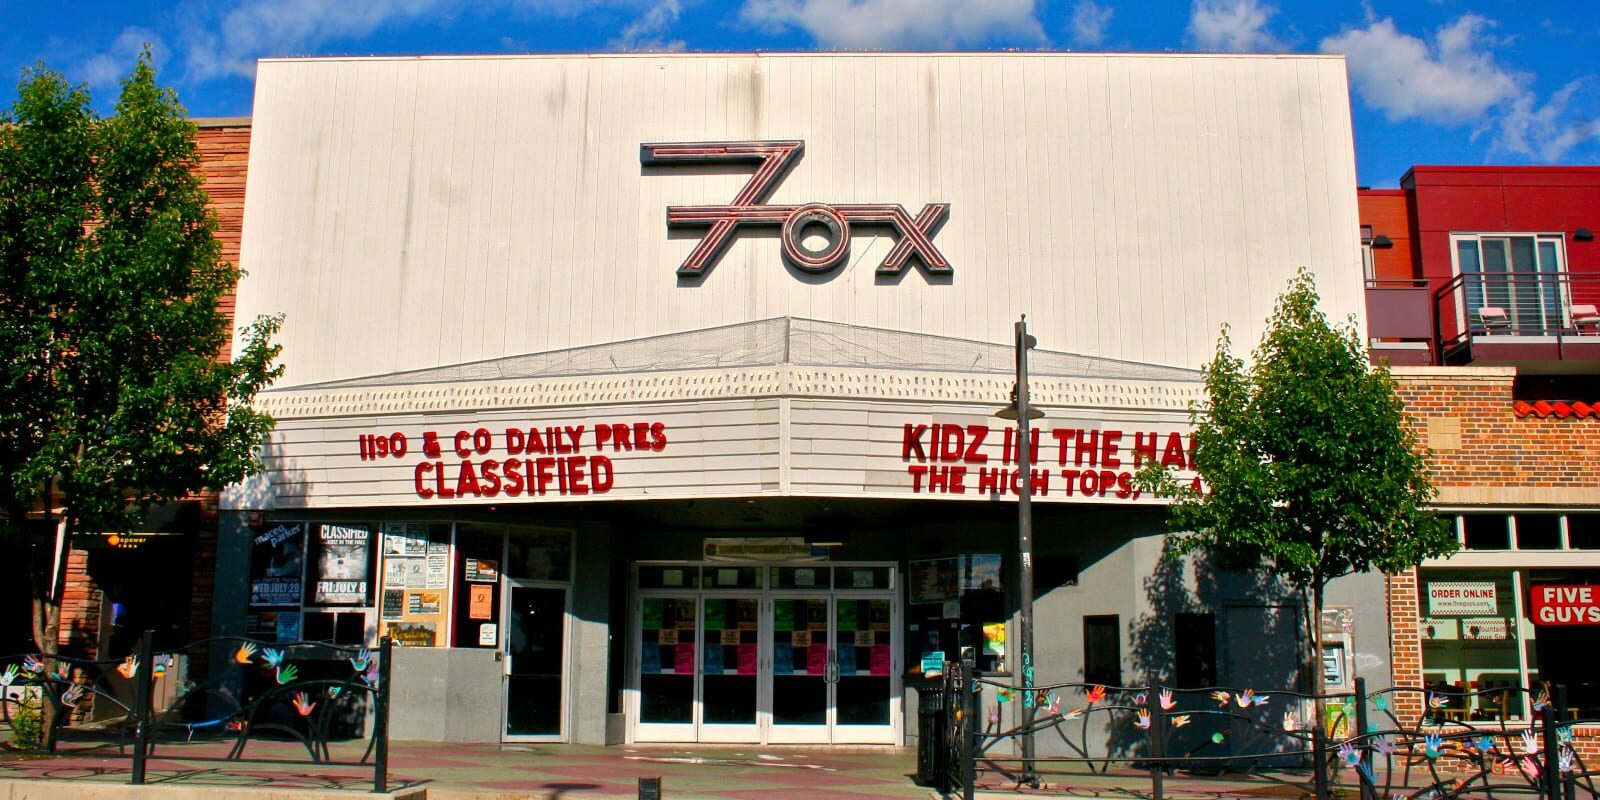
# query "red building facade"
(1482, 289)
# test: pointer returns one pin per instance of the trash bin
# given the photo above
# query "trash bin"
(931, 749)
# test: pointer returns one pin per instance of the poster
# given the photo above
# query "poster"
(865, 639)
(652, 614)
(683, 659)
(783, 615)
(845, 615)
(400, 539)
(782, 658)
(342, 565)
(422, 603)
(716, 619)
(800, 638)
(416, 573)
(394, 572)
(846, 658)
(480, 601)
(438, 570)
(747, 659)
(488, 634)
(394, 604)
(276, 563)
(994, 638)
(730, 637)
(880, 659)
(816, 659)
(650, 659)
(480, 570)
(713, 658)
(1462, 599)
(414, 634)
(288, 626)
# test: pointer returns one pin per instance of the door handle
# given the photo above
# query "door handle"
(830, 673)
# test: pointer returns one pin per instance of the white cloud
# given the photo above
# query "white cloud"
(1089, 21)
(648, 31)
(1545, 132)
(1452, 81)
(1455, 80)
(1234, 26)
(257, 28)
(111, 66)
(897, 24)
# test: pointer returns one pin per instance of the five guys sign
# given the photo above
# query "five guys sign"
(773, 160)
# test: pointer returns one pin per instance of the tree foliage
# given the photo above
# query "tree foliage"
(1308, 469)
(113, 392)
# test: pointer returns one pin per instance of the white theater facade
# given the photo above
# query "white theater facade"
(650, 398)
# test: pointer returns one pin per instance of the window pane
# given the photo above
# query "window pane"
(1102, 650)
(1467, 259)
(1486, 531)
(1538, 532)
(1583, 531)
(668, 576)
(1495, 263)
(540, 555)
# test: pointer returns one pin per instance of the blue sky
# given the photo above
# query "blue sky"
(1436, 82)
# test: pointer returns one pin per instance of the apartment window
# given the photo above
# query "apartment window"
(1512, 281)
(1102, 650)
(1485, 532)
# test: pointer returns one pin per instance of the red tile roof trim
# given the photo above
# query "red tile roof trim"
(1560, 408)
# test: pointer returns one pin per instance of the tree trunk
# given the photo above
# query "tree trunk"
(46, 615)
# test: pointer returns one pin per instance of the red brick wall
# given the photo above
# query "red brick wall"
(80, 608)
(1484, 455)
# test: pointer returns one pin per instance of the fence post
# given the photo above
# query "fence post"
(1319, 753)
(380, 722)
(1552, 744)
(1368, 791)
(1158, 741)
(972, 705)
(143, 684)
(1569, 785)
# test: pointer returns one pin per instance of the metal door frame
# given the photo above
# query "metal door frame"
(567, 659)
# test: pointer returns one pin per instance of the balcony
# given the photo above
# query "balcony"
(1541, 322)
(1400, 322)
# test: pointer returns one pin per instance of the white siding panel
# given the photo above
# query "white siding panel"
(410, 213)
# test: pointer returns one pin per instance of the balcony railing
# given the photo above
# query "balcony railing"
(1518, 317)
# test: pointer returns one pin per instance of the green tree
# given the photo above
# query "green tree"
(1308, 469)
(113, 391)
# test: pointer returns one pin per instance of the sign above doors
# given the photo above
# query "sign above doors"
(773, 160)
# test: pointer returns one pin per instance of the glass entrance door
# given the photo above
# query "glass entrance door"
(802, 669)
(668, 628)
(535, 652)
(729, 669)
(782, 655)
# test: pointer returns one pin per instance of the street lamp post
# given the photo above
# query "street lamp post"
(1024, 414)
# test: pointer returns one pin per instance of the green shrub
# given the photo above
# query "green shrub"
(27, 722)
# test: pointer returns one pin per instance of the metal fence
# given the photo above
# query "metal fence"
(1362, 744)
(310, 694)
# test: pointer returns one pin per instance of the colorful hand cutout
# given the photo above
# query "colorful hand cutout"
(244, 653)
(1096, 694)
(1167, 703)
(303, 705)
(287, 673)
(1222, 698)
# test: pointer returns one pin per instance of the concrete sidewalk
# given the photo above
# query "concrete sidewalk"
(437, 771)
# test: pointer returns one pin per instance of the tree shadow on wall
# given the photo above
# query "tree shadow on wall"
(1239, 628)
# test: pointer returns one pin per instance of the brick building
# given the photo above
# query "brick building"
(1482, 283)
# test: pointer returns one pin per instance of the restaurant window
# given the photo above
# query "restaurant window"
(1472, 642)
(1102, 650)
(1583, 531)
(958, 609)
